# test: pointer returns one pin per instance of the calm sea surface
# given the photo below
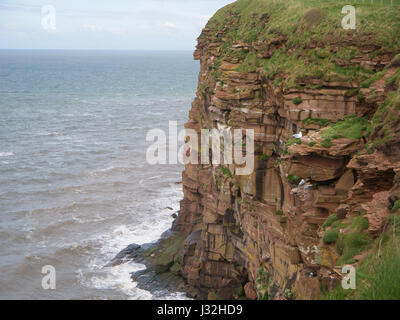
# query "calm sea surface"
(75, 187)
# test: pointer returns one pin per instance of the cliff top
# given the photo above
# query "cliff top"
(304, 39)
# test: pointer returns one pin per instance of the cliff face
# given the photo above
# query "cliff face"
(280, 68)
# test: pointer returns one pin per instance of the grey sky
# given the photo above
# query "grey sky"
(112, 24)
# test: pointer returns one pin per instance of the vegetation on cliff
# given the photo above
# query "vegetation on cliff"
(315, 44)
(377, 277)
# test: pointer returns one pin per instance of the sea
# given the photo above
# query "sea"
(75, 184)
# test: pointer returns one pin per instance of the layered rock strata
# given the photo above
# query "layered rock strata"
(262, 235)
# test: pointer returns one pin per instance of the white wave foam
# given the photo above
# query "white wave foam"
(118, 278)
(6, 154)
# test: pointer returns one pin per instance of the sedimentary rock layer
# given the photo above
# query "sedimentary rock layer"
(262, 235)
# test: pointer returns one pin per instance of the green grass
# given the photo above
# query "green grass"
(293, 141)
(360, 224)
(297, 100)
(331, 236)
(328, 222)
(326, 143)
(303, 22)
(203, 87)
(262, 283)
(351, 92)
(249, 64)
(352, 127)
(384, 122)
(319, 122)
(351, 245)
(227, 172)
(354, 242)
(338, 224)
(392, 79)
(382, 276)
(396, 206)
(396, 178)
(395, 221)
(378, 276)
(293, 179)
(377, 76)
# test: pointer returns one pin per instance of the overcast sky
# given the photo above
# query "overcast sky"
(101, 24)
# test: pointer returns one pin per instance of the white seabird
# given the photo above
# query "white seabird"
(298, 135)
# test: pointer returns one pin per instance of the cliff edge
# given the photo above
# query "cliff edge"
(315, 203)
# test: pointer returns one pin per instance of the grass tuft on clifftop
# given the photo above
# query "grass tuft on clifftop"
(309, 31)
(352, 127)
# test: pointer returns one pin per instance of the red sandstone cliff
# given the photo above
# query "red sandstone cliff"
(267, 235)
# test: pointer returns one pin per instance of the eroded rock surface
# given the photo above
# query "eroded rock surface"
(261, 235)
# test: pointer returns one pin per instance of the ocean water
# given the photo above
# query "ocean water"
(75, 187)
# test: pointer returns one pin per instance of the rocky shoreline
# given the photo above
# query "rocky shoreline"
(162, 261)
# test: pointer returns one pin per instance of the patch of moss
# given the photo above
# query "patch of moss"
(165, 253)
(288, 294)
(227, 172)
(262, 283)
(326, 143)
(351, 92)
(297, 100)
(293, 179)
